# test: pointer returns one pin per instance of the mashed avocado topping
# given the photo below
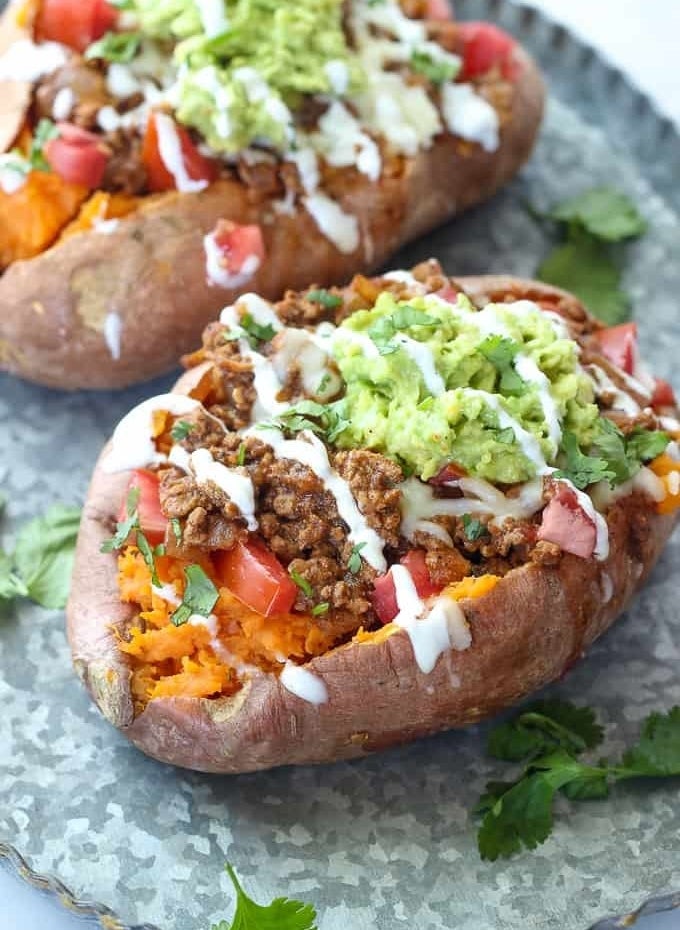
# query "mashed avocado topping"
(429, 383)
(243, 64)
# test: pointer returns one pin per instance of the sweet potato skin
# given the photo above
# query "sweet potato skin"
(150, 270)
(526, 632)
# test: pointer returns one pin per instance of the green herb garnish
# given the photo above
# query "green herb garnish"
(320, 609)
(241, 455)
(124, 527)
(322, 419)
(383, 331)
(302, 584)
(281, 914)
(200, 596)
(181, 430)
(436, 70)
(550, 735)
(474, 529)
(256, 331)
(354, 561)
(613, 457)
(603, 212)
(115, 46)
(501, 353)
(582, 470)
(325, 298)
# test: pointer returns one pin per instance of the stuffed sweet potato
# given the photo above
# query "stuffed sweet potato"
(367, 514)
(159, 162)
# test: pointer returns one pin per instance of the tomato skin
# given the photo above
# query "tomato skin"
(199, 168)
(664, 395)
(384, 596)
(237, 244)
(77, 156)
(76, 23)
(152, 521)
(619, 345)
(255, 576)
(449, 472)
(484, 47)
(438, 10)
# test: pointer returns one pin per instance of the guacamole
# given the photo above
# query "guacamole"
(429, 383)
(243, 64)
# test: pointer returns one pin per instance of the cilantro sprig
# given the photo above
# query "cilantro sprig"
(35, 159)
(594, 222)
(612, 457)
(438, 71)
(115, 46)
(354, 561)
(501, 353)
(281, 914)
(322, 419)
(383, 331)
(42, 561)
(200, 596)
(131, 525)
(324, 298)
(473, 528)
(549, 736)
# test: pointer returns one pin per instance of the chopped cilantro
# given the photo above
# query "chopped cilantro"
(241, 455)
(181, 430)
(325, 298)
(320, 609)
(281, 914)
(354, 562)
(474, 529)
(436, 70)
(200, 596)
(644, 445)
(177, 530)
(386, 328)
(323, 384)
(115, 46)
(256, 331)
(149, 556)
(45, 131)
(582, 470)
(322, 419)
(302, 584)
(501, 353)
(124, 527)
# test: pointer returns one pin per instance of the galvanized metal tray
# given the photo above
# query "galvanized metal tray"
(387, 841)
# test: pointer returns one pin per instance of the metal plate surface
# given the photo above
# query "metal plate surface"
(388, 841)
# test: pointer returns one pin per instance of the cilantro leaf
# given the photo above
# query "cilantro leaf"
(115, 46)
(582, 470)
(581, 265)
(404, 317)
(501, 352)
(176, 530)
(44, 553)
(11, 585)
(148, 555)
(124, 527)
(281, 914)
(609, 443)
(323, 419)
(241, 455)
(200, 596)
(354, 561)
(473, 528)
(545, 726)
(181, 430)
(644, 445)
(320, 609)
(605, 213)
(257, 331)
(436, 70)
(302, 584)
(44, 132)
(657, 752)
(325, 298)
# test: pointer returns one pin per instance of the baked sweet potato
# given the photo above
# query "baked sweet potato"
(123, 297)
(307, 610)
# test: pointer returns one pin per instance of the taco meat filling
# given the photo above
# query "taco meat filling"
(355, 461)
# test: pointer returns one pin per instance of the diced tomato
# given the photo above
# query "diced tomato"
(485, 46)
(77, 156)
(619, 345)
(384, 597)
(439, 10)
(663, 395)
(152, 521)
(449, 293)
(198, 167)
(450, 472)
(255, 576)
(238, 244)
(76, 23)
(414, 560)
(566, 524)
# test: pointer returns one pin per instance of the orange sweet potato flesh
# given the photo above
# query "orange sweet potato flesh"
(101, 206)
(32, 217)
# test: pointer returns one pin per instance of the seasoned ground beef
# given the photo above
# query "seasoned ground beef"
(88, 85)
(125, 171)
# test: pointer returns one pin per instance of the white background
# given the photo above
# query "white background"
(643, 38)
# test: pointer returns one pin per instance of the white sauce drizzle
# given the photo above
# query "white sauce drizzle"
(235, 482)
(470, 116)
(529, 371)
(213, 16)
(343, 142)
(180, 458)
(27, 61)
(298, 347)
(603, 384)
(63, 104)
(529, 444)
(113, 330)
(167, 593)
(337, 73)
(260, 310)
(310, 451)
(132, 445)
(13, 173)
(303, 684)
(170, 150)
(586, 504)
(422, 356)
(121, 82)
(341, 228)
(307, 164)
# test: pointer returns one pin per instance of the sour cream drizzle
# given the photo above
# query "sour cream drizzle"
(303, 684)
(529, 444)
(170, 150)
(433, 632)
(310, 451)
(132, 444)
(235, 482)
(422, 356)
